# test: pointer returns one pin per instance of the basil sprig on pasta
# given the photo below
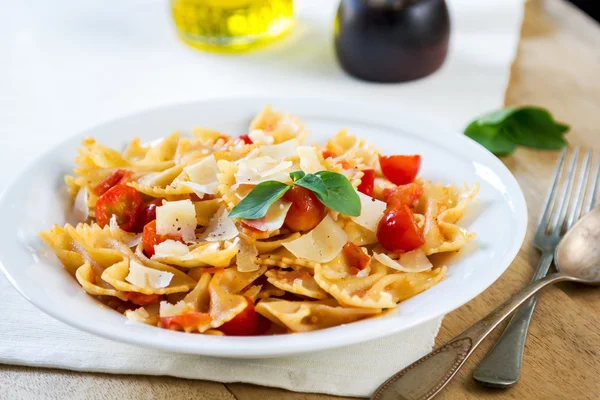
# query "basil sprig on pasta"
(331, 188)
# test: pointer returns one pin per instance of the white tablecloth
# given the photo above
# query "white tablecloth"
(68, 65)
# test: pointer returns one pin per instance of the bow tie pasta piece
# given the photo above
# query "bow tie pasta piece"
(306, 316)
(92, 284)
(63, 246)
(118, 274)
(283, 258)
(215, 254)
(281, 127)
(224, 288)
(271, 244)
(96, 245)
(162, 150)
(359, 153)
(299, 281)
(442, 206)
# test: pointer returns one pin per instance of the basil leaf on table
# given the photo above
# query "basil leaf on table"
(256, 204)
(341, 196)
(502, 131)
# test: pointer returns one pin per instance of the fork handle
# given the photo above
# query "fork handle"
(501, 367)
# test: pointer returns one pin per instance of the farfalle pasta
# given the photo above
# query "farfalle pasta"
(262, 233)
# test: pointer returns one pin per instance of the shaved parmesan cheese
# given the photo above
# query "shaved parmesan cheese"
(281, 150)
(140, 315)
(259, 136)
(322, 244)
(246, 257)
(309, 160)
(371, 211)
(170, 248)
(203, 175)
(80, 208)
(177, 217)
(260, 169)
(273, 219)
(170, 310)
(220, 227)
(200, 190)
(412, 261)
(145, 277)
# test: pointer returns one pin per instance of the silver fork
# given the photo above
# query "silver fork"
(502, 365)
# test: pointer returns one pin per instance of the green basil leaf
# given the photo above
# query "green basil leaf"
(315, 184)
(297, 175)
(503, 130)
(256, 204)
(341, 196)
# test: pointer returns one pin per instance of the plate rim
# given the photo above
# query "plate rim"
(206, 348)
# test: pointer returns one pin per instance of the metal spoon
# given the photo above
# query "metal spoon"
(577, 259)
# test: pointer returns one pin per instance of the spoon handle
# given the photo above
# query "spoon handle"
(424, 378)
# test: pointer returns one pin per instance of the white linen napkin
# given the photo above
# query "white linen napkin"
(70, 65)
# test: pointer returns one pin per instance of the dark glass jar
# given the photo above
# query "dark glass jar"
(391, 40)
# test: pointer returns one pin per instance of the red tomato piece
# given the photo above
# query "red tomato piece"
(148, 213)
(243, 324)
(400, 170)
(346, 164)
(142, 299)
(355, 257)
(367, 183)
(306, 211)
(122, 201)
(150, 238)
(244, 138)
(119, 176)
(404, 194)
(188, 320)
(328, 154)
(398, 231)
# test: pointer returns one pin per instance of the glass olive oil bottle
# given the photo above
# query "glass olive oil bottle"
(231, 25)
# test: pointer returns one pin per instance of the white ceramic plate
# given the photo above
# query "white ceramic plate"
(37, 199)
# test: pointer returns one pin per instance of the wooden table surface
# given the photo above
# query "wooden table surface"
(558, 66)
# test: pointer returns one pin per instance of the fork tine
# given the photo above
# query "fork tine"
(563, 203)
(579, 193)
(592, 203)
(545, 217)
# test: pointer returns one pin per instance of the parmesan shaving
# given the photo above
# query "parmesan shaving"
(371, 211)
(280, 151)
(273, 219)
(145, 277)
(412, 261)
(80, 208)
(170, 310)
(130, 239)
(309, 160)
(259, 136)
(322, 244)
(203, 176)
(170, 248)
(220, 227)
(260, 169)
(139, 315)
(177, 218)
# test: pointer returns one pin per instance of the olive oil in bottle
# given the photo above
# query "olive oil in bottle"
(231, 25)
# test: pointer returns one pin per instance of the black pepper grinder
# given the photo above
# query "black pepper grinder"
(391, 40)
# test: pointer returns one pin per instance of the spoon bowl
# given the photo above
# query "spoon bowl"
(578, 253)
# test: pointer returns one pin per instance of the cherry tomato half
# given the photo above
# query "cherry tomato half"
(148, 213)
(122, 201)
(306, 211)
(367, 182)
(142, 299)
(243, 324)
(150, 238)
(403, 194)
(400, 170)
(119, 176)
(398, 231)
(355, 257)
(244, 138)
(180, 322)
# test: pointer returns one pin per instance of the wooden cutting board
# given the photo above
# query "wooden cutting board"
(558, 67)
